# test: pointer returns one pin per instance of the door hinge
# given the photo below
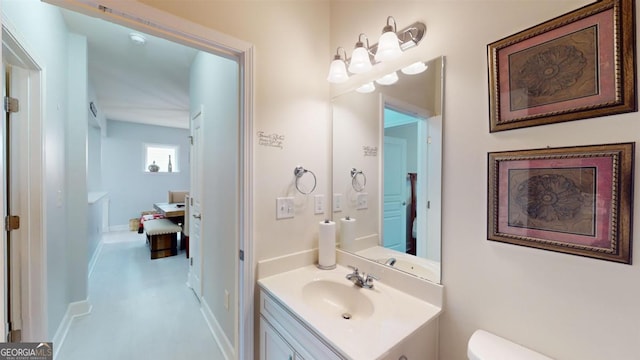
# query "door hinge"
(12, 222)
(190, 140)
(190, 261)
(11, 105)
(241, 255)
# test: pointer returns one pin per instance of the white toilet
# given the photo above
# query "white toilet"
(487, 346)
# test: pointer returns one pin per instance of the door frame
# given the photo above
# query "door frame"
(425, 125)
(150, 20)
(31, 235)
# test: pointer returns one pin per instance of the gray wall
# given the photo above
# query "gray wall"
(130, 189)
(76, 168)
(214, 85)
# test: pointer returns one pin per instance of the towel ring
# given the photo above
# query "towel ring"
(299, 172)
(355, 183)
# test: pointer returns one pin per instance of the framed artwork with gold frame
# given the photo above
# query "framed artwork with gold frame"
(575, 200)
(576, 66)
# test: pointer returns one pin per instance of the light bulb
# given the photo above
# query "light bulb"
(388, 47)
(360, 61)
(388, 79)
(415, 68)
(366, 88)
(337, 72)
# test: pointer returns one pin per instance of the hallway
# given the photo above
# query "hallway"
(141, 308)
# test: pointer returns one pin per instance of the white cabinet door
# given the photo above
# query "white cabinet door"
(272, 345)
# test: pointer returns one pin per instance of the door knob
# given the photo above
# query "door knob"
(404, 203)
(198, 216)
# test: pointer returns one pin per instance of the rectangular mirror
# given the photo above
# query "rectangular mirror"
(387, 164)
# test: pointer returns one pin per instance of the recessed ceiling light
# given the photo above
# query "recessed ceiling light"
(137, 39)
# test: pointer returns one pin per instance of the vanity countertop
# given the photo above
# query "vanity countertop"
(383, 317)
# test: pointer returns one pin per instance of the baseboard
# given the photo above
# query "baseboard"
(119, 228)
(216, 330)
(74, 309)
(94, 258)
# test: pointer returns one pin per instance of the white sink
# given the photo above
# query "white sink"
(383, 315)
(340, 300)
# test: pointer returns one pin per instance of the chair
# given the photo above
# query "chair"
(177, 196)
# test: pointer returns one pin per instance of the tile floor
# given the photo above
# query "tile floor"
(141, 308)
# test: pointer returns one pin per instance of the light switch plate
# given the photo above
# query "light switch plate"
(362, 201)
(318, 204)
(337, 202)
(284, 208)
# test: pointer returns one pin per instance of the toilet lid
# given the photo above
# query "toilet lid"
(484, 345)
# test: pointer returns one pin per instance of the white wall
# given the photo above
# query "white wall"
(214, 89)
(43, 28)
(76, 168)
(130, 189)
(567, 307)
(94, 144)
(356, 126)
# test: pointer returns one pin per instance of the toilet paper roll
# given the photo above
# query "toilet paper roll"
(327, 245)
(347, 233)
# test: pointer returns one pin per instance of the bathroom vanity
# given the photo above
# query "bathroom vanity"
(308, 313)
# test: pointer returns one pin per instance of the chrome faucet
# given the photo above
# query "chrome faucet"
(361, 279)
(390, 261)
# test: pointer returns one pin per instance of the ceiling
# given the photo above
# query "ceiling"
(146, 84)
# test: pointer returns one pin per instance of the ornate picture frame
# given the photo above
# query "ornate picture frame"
(579, 65)
(574, 200)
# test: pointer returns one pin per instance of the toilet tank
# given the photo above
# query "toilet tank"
(484, 345)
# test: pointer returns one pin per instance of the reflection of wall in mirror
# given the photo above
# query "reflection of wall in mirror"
(357, 122)
(357, 126)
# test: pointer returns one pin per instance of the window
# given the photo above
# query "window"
(162, 156)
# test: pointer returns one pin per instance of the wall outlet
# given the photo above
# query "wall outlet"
(284, 208)
(362, 201)
(318, 204)
(226, 299)
(337, 202)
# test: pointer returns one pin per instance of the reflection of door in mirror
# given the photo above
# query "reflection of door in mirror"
(394, 214)
(394, 137)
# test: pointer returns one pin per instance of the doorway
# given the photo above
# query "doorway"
(22, 193)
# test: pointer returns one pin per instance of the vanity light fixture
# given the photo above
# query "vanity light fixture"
(415, 68)
(391, 45)
(360, 60)
(388, 79)
(366, 88)
(338, 68)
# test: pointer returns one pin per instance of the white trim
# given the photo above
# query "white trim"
(75, 309)
(226, 347)
(145, 18)
(95, 257)
(247, 268)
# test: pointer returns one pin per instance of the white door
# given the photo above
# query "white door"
(195, 209)
(394, 224)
